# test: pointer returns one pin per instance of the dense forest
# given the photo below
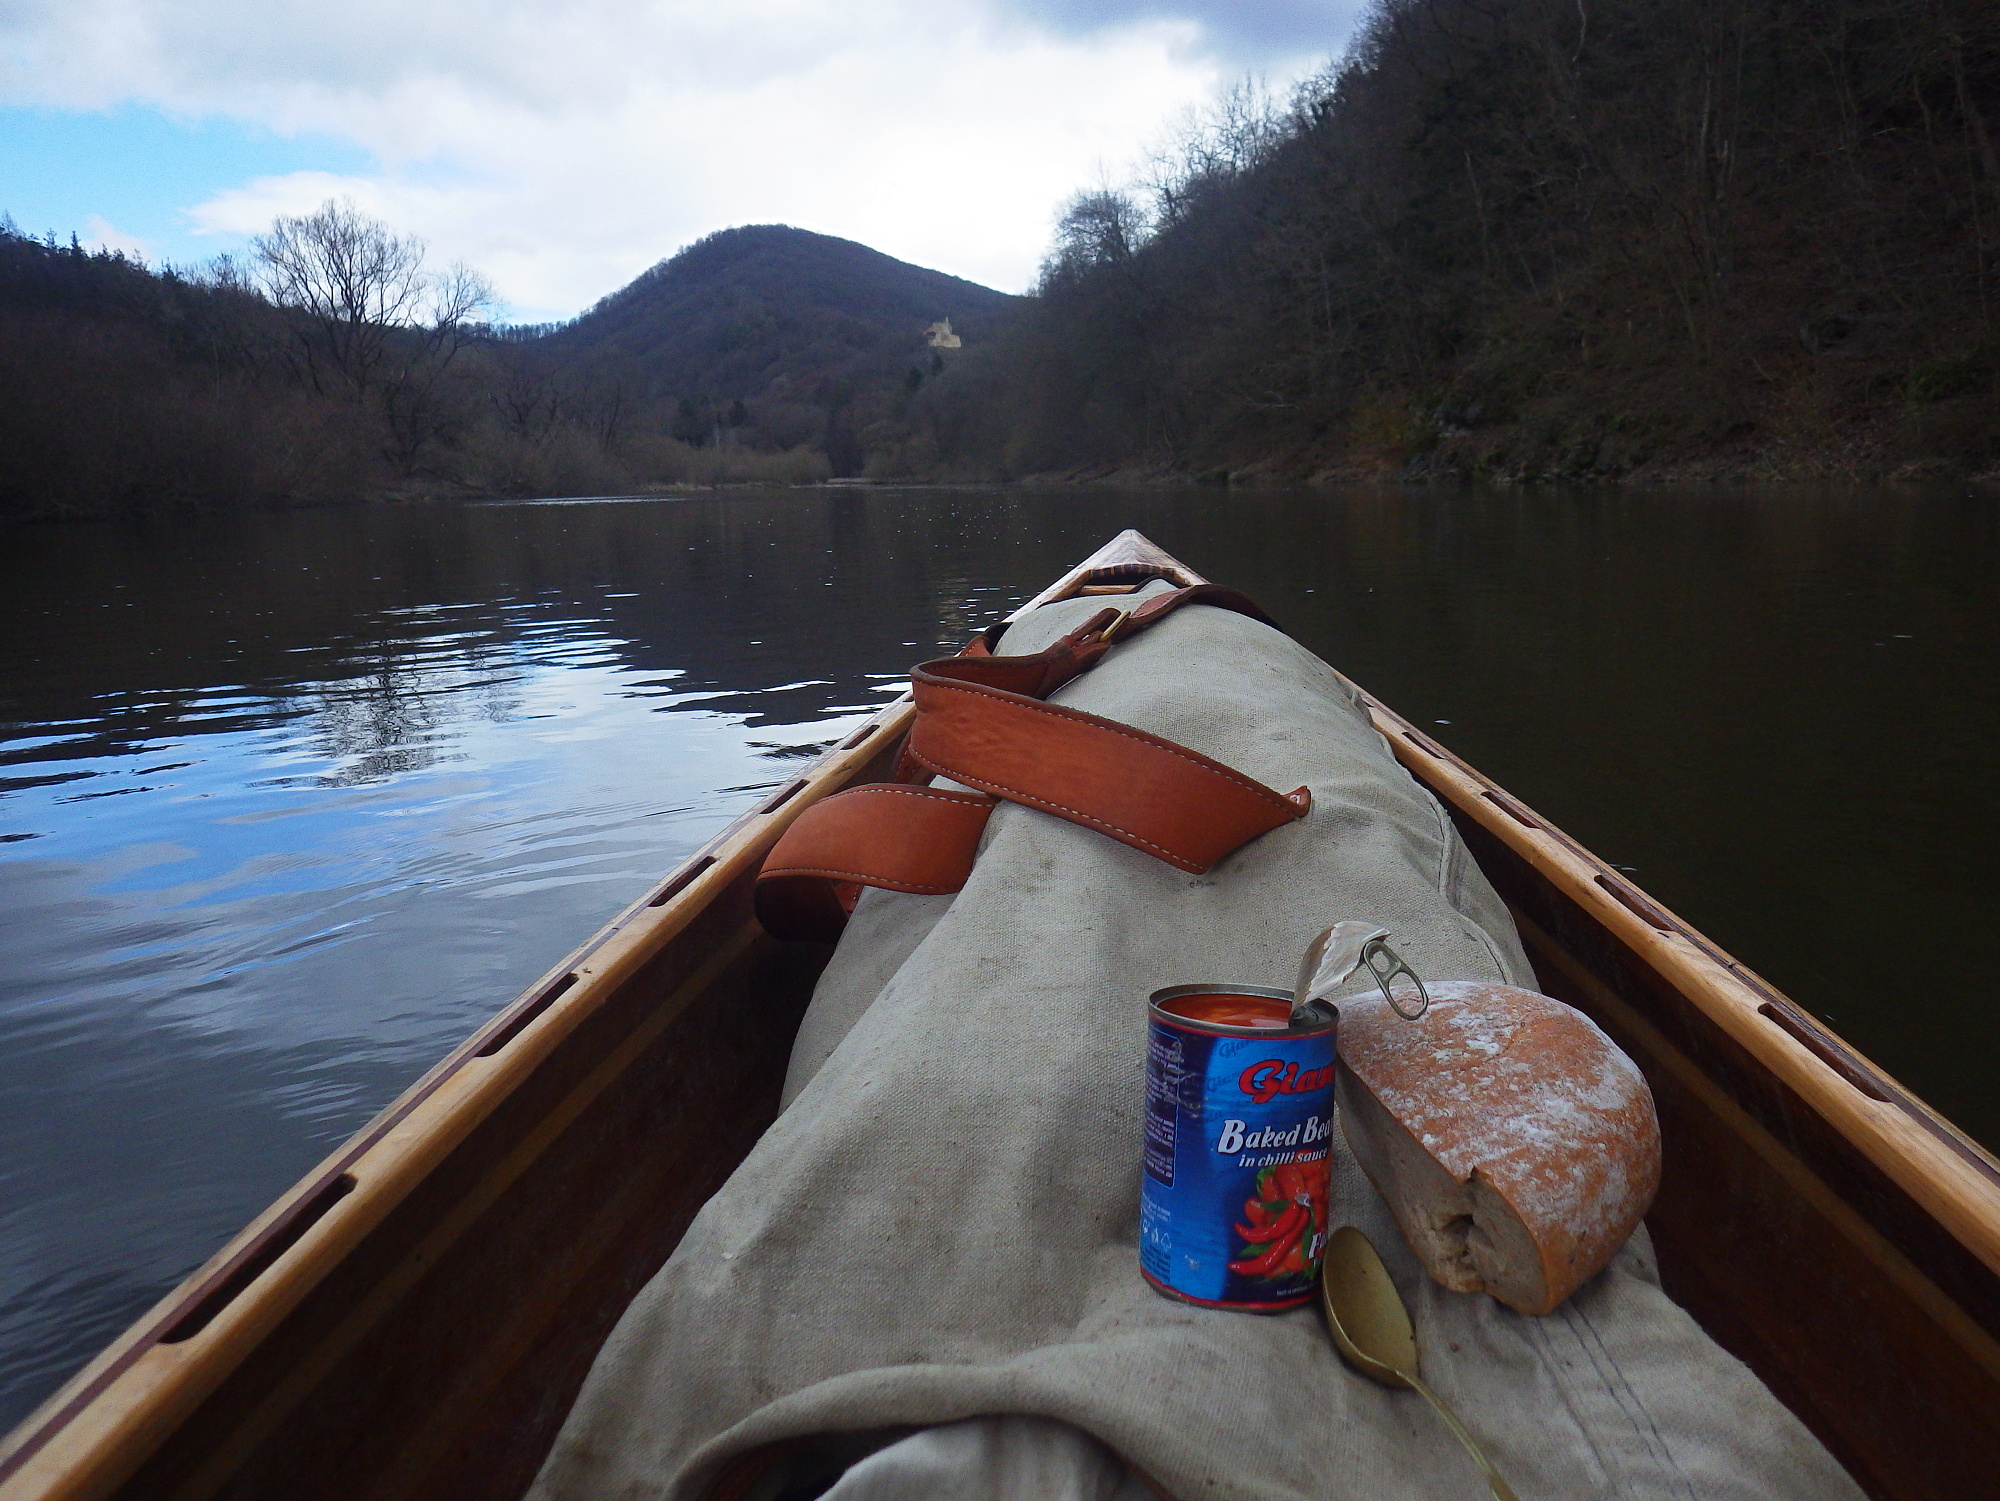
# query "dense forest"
(1549, 238)
(1518, 239)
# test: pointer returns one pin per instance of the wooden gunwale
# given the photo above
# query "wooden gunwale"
(1954, 1178)
(229, 1320)
(1980, 1345)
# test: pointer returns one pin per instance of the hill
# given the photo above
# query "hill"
(1543, 240)
(775, 337)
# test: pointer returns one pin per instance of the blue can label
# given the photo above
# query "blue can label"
(1233, 1200)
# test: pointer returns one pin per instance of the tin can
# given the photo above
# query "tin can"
(1239, 1126)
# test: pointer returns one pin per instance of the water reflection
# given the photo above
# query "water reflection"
(329, 789)
(293, 801)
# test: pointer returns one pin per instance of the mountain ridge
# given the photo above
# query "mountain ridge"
(772, 337)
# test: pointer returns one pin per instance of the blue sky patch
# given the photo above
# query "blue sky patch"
(140, 170)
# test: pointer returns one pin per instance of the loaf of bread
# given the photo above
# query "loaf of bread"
(1517, 1147)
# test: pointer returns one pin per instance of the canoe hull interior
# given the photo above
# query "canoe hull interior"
(422, 1336)
(439, 1358)
(1793, 1251)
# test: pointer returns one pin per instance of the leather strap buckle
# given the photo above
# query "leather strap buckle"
(1119, 624)
(1096, 631)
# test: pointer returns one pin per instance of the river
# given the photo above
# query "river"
(290, 801)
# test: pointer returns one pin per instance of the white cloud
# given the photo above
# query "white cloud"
(100, 234)
(563, 146)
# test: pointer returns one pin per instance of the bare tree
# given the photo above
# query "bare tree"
(1207, 148)
(413, 378)
(1099, 228)
(352, 279)
(359, 286)
(373, 323)
(455, 295)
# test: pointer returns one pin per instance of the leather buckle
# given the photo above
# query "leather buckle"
(1097, 630)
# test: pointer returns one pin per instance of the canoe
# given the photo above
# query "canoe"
(414, 1317)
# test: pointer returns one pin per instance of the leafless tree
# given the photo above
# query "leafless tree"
(1099, 228)
(352, 279)
(359, 286)
(1207, 148)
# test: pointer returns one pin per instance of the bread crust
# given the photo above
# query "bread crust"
(1517, 1146)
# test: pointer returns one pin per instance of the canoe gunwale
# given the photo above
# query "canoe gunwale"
(1128, 557)
(1954, 1178)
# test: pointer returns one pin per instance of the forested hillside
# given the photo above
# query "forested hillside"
(762, 354)
(1548, 238)
(122, 388)
(776, 336)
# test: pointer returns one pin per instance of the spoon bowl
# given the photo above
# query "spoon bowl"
(1365, 1312)
(1371, 1326)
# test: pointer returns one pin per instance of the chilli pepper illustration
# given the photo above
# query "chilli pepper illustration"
(1269, 1261)
(1282, 1223)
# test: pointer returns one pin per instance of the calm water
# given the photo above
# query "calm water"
(291, 802)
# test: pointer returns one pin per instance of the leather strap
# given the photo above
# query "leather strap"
(981, 722)
(1040, 675)
(1174, 803)
(917, 839)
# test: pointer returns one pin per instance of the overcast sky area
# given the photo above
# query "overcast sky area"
(562, 146)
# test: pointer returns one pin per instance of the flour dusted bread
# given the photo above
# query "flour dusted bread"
(1517, 1147)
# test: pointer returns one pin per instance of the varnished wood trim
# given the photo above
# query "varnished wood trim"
(1128, 553)
(1952, 1177)
(1936, 1304)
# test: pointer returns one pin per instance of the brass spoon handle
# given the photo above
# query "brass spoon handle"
(1501, 1490)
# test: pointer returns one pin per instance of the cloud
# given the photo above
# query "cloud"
(101, 234)
(562, 146)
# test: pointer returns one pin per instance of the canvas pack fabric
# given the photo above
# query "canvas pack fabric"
(942, 1224)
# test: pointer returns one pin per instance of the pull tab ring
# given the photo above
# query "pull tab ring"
(1385, 964)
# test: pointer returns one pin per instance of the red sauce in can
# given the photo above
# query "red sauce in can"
(1232, 1011)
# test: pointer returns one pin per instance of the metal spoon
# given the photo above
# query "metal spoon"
(1372, 1327)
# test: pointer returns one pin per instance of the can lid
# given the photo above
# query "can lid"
(1336, 954)
(1183, 1006)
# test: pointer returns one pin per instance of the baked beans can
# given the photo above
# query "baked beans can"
(1239, 1127)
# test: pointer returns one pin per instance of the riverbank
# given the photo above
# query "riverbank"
(1514, 456)
(1866, 421)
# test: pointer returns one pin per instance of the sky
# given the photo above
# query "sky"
(560, 147)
